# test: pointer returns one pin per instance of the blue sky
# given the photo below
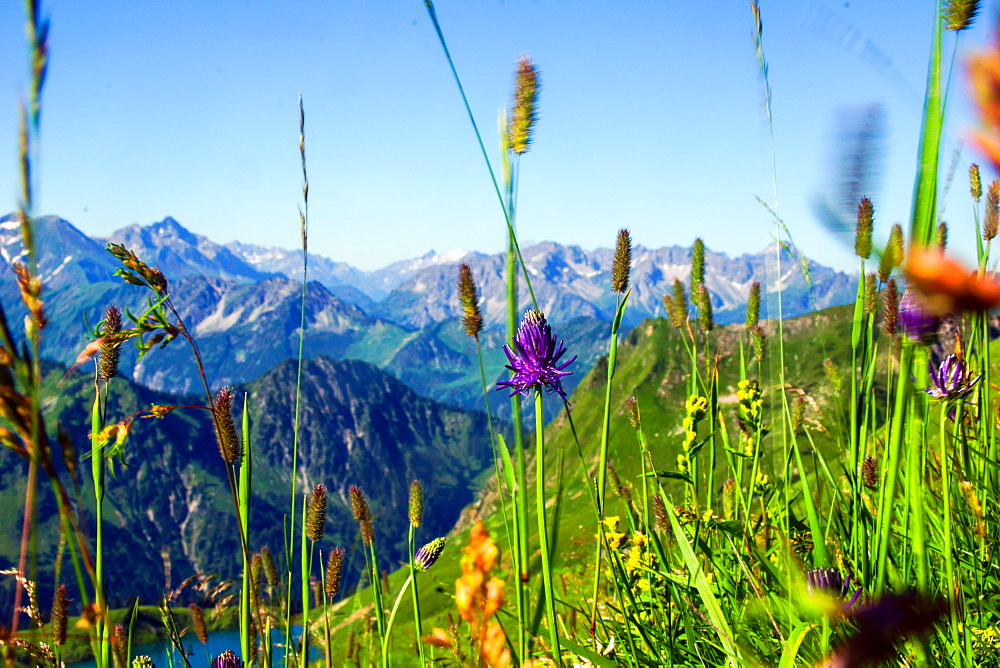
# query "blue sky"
(650, 117)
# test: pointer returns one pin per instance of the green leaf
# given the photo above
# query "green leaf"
(676, 475)
(792, 647)
(508, 466)
(588, 654)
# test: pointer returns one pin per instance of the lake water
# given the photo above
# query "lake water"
(199, 656)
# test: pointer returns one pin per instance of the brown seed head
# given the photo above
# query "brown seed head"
(869, 472)
(107, 366)
(468, 296)
(198, 622)
(975, 182)
(225, 429)
(359, 504)
(991, 217)
(890, 311)
(660, 511)
(622, 265)
(58, 625)
(863, 232)
(523, 112)
(256, 568)
(269, 568)
(334, 568)
(316, 513)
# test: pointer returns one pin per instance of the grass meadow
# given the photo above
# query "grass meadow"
(821, 491)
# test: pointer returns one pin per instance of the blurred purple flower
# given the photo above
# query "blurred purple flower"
(227, 659)
(918, 324)
(830, 581)
(883, 624)
(534, 358)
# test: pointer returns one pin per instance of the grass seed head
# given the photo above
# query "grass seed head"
(316, 513)
(198, 622)
(523, 114)
(660, 511)
(110, 347)
(863, 232)
(622, 264)
(753, 306)
(697, 263)
(416, 505)
(269, 568)
(871, 293)
(58, 624)
(729, 499)
(225, 429)
(676, 305)
(991, 217)
(759, 340)
(869, 472)
(334, 570)
(975, 182)
(893, 255)
(890, 308)
(942, 235)
(632, 411)
(959, 14)
(468, 296)
(703, 300)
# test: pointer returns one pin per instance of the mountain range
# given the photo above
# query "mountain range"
(243, 303)
(169, 512)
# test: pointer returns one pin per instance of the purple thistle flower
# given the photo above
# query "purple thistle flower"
(918, 324)
(830, 581)
(534, 358)
(950, 379)
(227, 659)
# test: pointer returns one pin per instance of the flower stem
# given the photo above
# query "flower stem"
(543, 538)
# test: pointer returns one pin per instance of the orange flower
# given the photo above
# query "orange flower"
(984, 76)
(438, 637)
(948, 287)
(494, 648)
(478, 597)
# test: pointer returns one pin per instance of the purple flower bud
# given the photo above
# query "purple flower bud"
(227, 659)
(425, 557)
(918, 324)
(832, 582)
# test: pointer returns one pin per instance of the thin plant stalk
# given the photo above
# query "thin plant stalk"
(417, 621)
(304, 232)
(543, 533)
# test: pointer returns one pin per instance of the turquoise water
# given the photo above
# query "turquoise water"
(198, 654)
